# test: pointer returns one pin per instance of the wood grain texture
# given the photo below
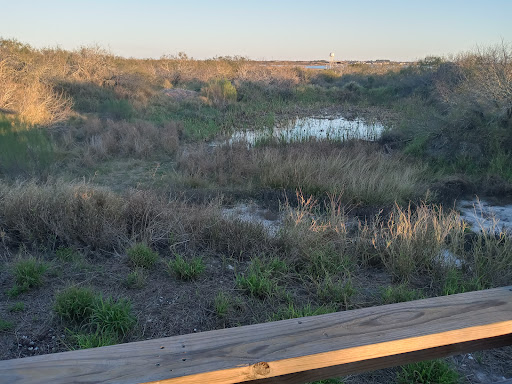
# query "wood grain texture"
(289, 350)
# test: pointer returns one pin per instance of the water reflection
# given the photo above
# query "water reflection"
(307, 129)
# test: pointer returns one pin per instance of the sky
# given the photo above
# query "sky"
(262, 29)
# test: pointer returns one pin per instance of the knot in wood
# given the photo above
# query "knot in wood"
(262, 368)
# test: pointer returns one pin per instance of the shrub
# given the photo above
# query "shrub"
(75, 304)
(81, 215)
(141, 256)
(186, 270)
(220, 92)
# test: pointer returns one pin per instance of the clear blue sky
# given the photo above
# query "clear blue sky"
(263, 29)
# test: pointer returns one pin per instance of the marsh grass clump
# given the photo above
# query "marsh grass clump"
(75, 304)
(427, 372)
(28, 274)
(141, 256)
(491, 258)
(358, 170)
(412, 240)
(97, 321)
(186, 269)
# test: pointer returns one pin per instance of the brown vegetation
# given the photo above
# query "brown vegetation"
(360, 171)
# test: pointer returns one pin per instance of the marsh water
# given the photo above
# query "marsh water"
(487, 216)
(253, 213)
(311, 128)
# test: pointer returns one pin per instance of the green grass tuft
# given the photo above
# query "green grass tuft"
(17, 307)
(6, 325)
(399, 294)
(112, 317)
(28, 274)
(186, 270)
(428, 372)
(95, 340)
(292, 312)
(136, 279)
(75, 304)
(141, 256)
(222, 304)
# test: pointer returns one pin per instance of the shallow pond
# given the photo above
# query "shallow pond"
(483, 215)
(312, 128)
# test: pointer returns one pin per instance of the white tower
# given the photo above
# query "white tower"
(331, 60)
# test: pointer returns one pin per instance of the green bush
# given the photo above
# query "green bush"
(75, 304)
(141, 256)
(220, 92)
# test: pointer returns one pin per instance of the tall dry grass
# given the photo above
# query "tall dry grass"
(58, 213)
(360, 171)
(424, 244)
(419, 240)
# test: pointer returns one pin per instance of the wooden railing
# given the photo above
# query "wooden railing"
(290, 351)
